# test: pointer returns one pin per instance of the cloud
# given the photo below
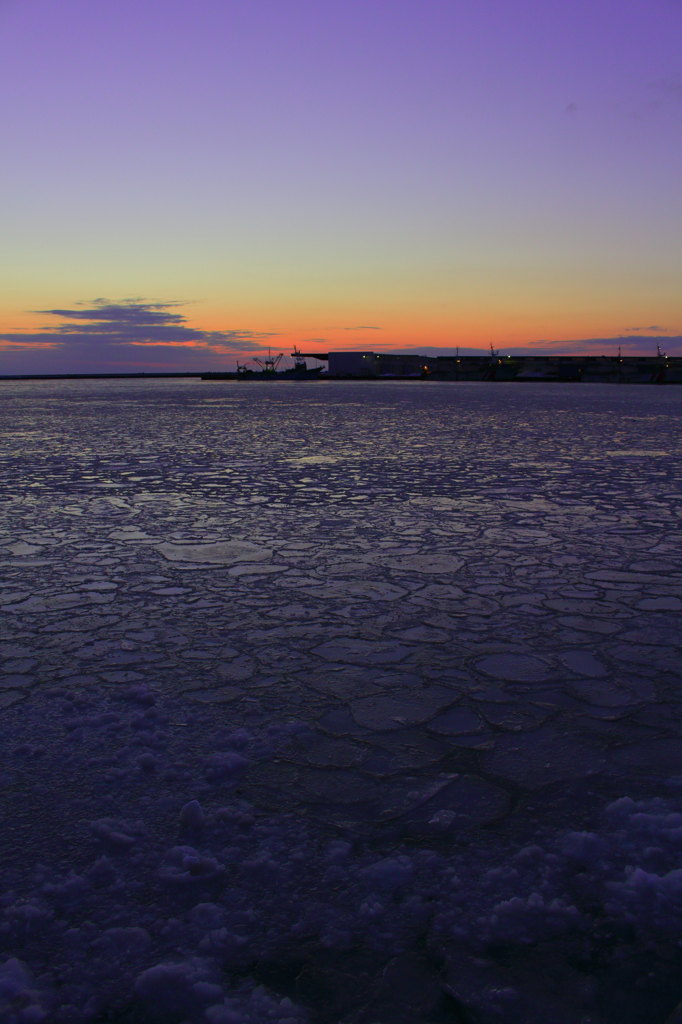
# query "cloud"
(8, 342)
(629, 344)
(640, 345)
(106, 332)
(126, 311)
(651, 327)
(362, 327)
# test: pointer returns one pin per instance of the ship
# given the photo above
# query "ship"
(268, 369)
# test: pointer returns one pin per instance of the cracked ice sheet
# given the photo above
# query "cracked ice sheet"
(407, 735)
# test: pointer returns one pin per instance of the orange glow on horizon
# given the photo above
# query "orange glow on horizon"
(236, 332)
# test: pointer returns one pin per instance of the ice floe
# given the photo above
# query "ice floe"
(348, 706)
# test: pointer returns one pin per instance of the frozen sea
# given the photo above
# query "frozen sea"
(340, 702)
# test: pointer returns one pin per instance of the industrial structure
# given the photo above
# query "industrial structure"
(657, 369)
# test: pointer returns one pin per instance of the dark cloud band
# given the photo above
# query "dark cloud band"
(103, 324)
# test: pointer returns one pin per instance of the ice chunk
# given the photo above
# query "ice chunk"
(207, 916)
(230, 552)
(583, 663)
(184, 866)
(545, 755)
(116, 835)
(20, 999)
(225, 765)
(192, 815)
(430, 564)
(456, 721)
(389, 874)
(398, 709)
(168, 991)
(521, 668)
(364, 652)
(123, 943)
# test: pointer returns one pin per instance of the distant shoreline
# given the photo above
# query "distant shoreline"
(93, 376)
(371, 366)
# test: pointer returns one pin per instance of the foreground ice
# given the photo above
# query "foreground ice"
(340, 703)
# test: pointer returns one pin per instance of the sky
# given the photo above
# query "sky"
(184, 186)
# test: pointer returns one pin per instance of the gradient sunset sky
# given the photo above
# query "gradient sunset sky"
(188, 184)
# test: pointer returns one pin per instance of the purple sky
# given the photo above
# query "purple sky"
(451, 172)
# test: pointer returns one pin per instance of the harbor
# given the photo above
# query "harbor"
(391, 366)
(492, 366)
